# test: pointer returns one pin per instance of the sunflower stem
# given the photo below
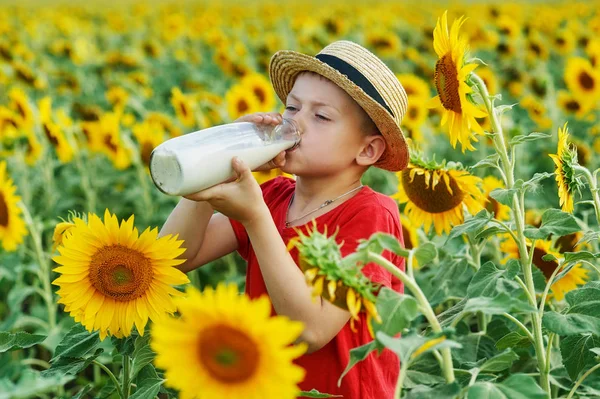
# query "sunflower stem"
(414, 288)
(44, 270)
(400, 383)
(520, 325)
(126, 376)
(547, 289)
(111, 376)
(580, 380)
(518, 208)
(82, 167)
(593, 188)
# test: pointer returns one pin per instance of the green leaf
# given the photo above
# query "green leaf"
(581, 255)
(527, 138)
(416, 378)
(142, 354)
(17, 295)
(148, 389)
(474, 223)
(18, 340)
(313, 393)
(554, 222)
(514, 339)
(489, 161)
(425, 253)
(502, 303)
(589, 236)
(358, 354)
(125, 345)
(517, 386)
(450, 280)
(500, 362)
(475, 347)
(83, 392)
(582, 317)
(533, 183)
(490, 231)
(447, 391)
(31, 384)
(406, 346)
(576, 353)
(504, 195)
(65, 365)
(396, 310)
(378, 242)
(487, 280)
(76, 343)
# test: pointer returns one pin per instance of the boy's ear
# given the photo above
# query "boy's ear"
(372, 149)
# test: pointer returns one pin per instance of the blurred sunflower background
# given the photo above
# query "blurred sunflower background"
(88, 90)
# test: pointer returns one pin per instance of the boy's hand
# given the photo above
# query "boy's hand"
(267, 118)
(240, 199)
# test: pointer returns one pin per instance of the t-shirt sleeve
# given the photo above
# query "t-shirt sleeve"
(268, 188)
(364, 223)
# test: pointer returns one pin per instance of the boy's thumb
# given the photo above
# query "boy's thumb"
(240, 168)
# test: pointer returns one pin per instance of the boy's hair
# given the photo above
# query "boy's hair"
(367, 126)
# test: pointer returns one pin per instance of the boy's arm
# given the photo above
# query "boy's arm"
(287, 286)
(206, 236)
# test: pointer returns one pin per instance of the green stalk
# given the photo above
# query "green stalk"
(519, 214)
(425, 307)
(580, 380)
(400, 383)
(111, 376)
(44, 270)
(126, 376)
(593, 188)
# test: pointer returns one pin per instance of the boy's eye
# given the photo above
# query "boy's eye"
(324, 118)
(290, 108)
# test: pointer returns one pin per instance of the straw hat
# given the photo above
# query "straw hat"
(364, 77)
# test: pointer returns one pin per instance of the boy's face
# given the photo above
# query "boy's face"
(331, 125)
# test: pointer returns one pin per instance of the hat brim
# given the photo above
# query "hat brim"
(285, 66)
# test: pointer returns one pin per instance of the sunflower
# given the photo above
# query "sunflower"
(451, 74)
(110, 142)
(261, 88)
(53, 131)
(576, 276)
(574, 105)
(383, 42)
(345, 286)
(414, 86)
(564, 160)
(237, 349)
(537, 48)
(564, 42)
(165, 122)
(61, 230)
(112, 278)
(416, 113)
(19, 102)
(33, 149)
(12, 226)
(537, 111)
(240, 101)
(263, 176)
(430, 203)
(582, 79)
(500, 211)
(118, 97)
(148, 135)
(9, 124)
(184, 107)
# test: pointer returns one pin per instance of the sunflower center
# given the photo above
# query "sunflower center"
(446, 83)
(50, 135)
(3, 211)
(546, 266)
(146, 152)
(432, 200)
(228, 354)
(492, 206)
(242, 106)
(184, 110)
(408, 244)
(586, 81)
(567, 243)
(120, 273)
(573, 105)
(260, 94)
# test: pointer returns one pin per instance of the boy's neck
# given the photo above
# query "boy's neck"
(312, 192)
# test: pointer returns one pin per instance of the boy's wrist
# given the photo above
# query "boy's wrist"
(260, 215)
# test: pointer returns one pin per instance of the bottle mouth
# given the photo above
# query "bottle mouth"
(296, 128)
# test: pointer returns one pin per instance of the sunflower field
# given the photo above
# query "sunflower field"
(500, 205)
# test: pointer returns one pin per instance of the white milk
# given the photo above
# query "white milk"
(195, 169)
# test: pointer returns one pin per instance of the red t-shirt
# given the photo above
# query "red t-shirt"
(359, 217)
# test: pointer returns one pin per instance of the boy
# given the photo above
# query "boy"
(348, 106)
